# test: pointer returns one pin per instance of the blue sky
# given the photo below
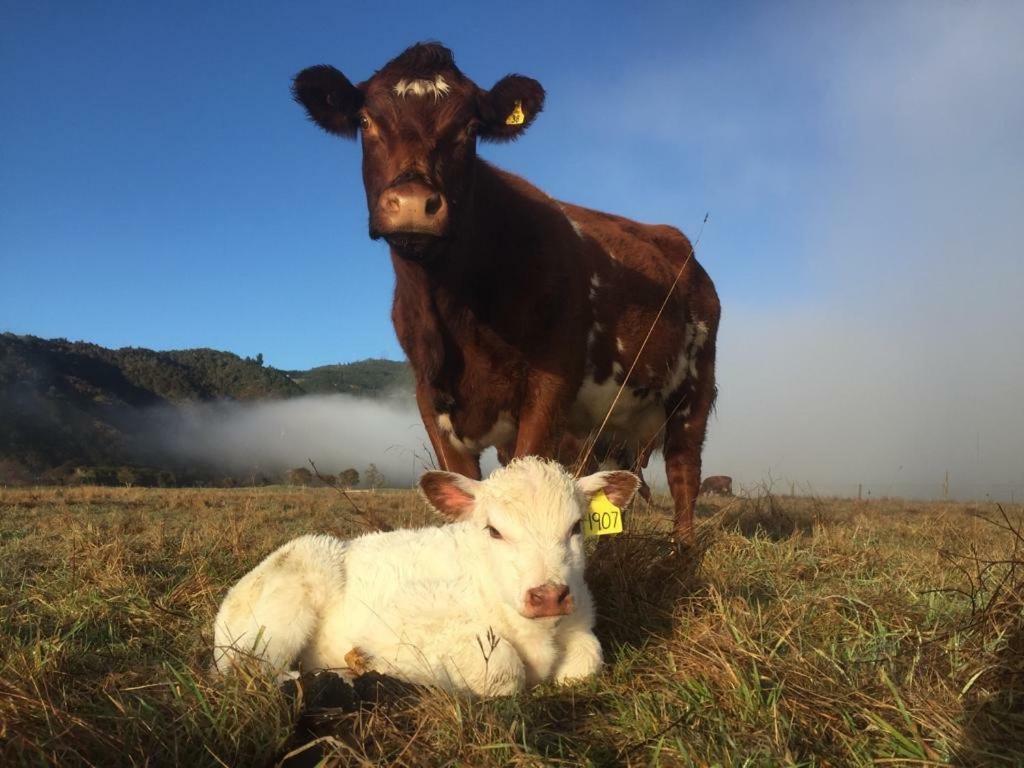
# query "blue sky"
(163, 190)
(862, 164)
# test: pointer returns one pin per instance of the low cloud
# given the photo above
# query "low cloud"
(335, 431)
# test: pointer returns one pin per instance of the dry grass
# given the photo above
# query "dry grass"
(798, 632)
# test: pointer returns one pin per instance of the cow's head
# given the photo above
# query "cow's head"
(527, 520)
(419, 119)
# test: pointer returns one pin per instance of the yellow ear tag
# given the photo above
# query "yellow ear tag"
(518, 117)
(603, 517)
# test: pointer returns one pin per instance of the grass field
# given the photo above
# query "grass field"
(798, 632)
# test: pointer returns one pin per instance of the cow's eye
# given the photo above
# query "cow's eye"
(577, 528)
(495, 533)
(364, 122)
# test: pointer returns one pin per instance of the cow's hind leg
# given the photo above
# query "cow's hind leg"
(685, 430)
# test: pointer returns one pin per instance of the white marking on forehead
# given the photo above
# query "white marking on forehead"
(595, 285)
(437, 87)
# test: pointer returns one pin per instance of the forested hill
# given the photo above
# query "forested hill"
(367, 378)
(65, 403)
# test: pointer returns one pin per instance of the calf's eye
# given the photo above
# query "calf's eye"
(577, 528)
(364, 122)
(495, 533)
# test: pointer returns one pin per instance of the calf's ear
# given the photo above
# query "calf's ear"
(618, 485)
(331, 101)
(452, 495)
(508, 109)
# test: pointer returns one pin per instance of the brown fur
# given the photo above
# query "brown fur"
(494, 313)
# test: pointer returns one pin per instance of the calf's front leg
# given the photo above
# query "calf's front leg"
(581, 656)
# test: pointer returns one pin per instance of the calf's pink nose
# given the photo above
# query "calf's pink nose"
(548, 600)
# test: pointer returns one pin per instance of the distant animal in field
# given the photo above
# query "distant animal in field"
(719, 485)
(522, 315)
(487, 605)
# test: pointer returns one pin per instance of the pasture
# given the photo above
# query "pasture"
(799, 631)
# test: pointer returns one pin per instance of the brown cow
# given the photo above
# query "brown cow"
(522, 315)
(720, 485)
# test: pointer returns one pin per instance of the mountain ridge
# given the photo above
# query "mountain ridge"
(71, 404)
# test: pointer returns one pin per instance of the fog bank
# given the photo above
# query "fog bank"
(335, 431)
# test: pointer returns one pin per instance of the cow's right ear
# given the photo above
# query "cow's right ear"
(451, 494)
(331, 101)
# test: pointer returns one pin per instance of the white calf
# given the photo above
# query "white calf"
(492, 603)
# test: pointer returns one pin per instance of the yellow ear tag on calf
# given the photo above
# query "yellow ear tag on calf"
(518, 117)
(603, 517)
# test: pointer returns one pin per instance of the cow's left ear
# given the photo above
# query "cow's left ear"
(618, 485)
(451, 494)
(331, 101)
(509, 108)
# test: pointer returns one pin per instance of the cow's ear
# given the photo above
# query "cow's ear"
(452, 495)
(618, 485)
(331, 101)
(509, 108)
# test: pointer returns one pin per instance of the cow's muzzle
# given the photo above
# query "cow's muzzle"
(410, 214)
(548, 600)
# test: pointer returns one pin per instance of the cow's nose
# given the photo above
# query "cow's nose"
(411, 208)
(548, 600)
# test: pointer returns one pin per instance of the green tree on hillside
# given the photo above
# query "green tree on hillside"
(349, 478)
(299, 476)
(373, 477)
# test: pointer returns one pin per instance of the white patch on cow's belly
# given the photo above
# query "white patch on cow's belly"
(502, 432)
(634, 420)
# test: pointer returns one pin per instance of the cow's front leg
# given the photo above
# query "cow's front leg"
(451, 456)
(541, 417)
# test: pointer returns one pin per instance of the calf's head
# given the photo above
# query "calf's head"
(418, 118)
(526, 519)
